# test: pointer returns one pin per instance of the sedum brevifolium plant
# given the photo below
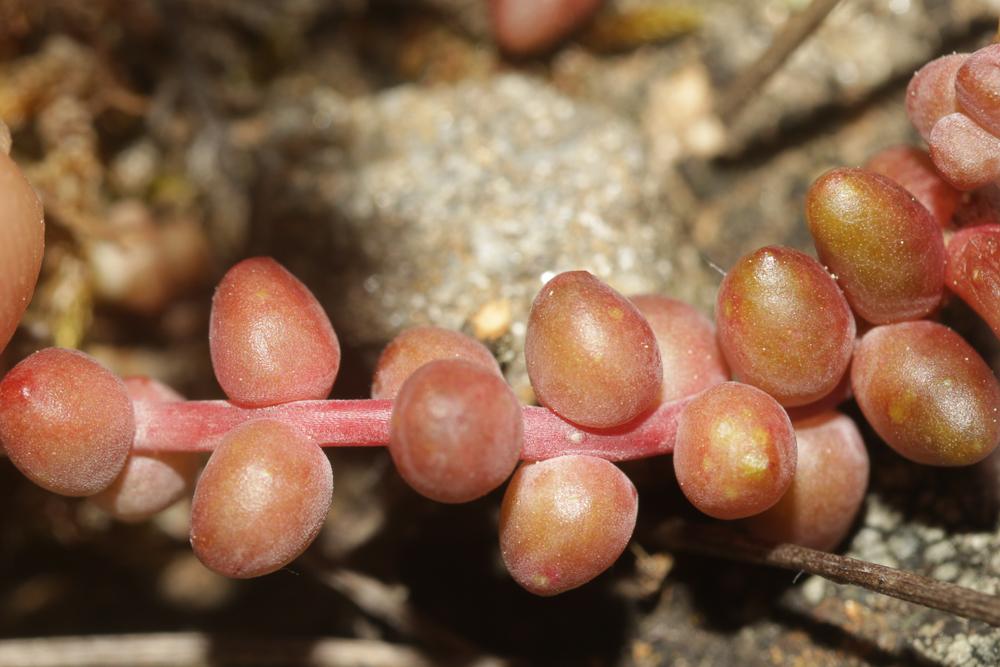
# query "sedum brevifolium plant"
(748, 411)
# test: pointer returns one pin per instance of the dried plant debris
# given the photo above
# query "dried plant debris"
(4, 138)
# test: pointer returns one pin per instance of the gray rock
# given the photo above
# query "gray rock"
(449, 199)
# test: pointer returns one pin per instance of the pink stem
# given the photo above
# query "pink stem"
(196, 426)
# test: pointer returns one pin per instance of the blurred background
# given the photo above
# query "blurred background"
(411, 171)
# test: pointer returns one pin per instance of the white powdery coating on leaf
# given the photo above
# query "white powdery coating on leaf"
(148, 484)
(66, 422)
(261, 500)
(966, 154)
(270, 340)
(564, 521)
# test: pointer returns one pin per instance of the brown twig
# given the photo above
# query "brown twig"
(724, 543)
(792, 34)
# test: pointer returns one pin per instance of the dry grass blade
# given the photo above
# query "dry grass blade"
(794, 32)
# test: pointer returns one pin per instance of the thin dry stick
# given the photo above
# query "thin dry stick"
(390, 605)
(724, 543)
(193, 649)
(792, 34)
